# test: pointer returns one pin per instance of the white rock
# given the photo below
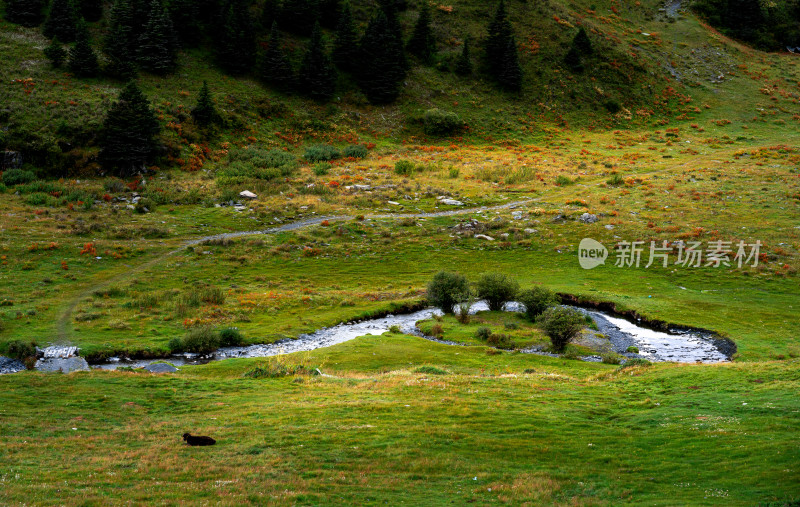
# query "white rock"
(246, 194)
(484, 236)
(393, 203)
(451, 202)
(530, 231)
(588, 218)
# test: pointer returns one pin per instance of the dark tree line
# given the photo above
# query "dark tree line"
(769, 25)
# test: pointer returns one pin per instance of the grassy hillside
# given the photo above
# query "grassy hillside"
(703, 147)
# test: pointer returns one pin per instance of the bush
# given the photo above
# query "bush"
(437, 122)
(394, 329)
(447, 289)
(321, 153)
(562, 325)
(537, 300)
(213, 295)
(501, 341)
(562, 180)
(632, 349)
(21, 350)
(259, 163)
(497, 289)
(630, 363)
(175, 345)
(356, 151)
(17, 176)
(3, 188)
(483, 333)
(437, 331)
(230, 337)
(201, 340)
(321, 168)
(615, 180)
(430, 370)
(611, 358)
(276, 369)
(404, 167)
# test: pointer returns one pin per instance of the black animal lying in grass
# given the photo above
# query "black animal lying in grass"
(193, 440)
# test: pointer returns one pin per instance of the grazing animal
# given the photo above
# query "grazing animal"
(195, 440)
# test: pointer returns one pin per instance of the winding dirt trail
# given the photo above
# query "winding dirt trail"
(63, 330)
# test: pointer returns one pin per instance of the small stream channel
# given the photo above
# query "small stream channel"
(688, 346)
(679, 345)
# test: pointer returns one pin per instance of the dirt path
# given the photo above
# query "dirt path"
(63, 329)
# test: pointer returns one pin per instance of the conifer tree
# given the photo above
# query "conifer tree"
(82, 59)
(464, 62)
(157, 51)
(582, 43)
(501, 51)
(25, 12)
(422, 44)
(90, 10)
(497, 40)
(204, 113)
(382, 60)
(61, 21)
(345, 43)
(128, 136)
(329, 13)
(269, 13)
(510, 76)
(55, 52)
(299, 16)
(185, 17)
(120, 42)
(236, 46)
(390, 10)
(274, 67)
(317, 77)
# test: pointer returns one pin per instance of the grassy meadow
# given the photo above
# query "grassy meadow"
(396, 419)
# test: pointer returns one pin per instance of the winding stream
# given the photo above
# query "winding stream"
(657, 346)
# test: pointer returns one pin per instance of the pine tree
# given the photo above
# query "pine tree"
(55, 52)
(582, 43)
(82, 59)
(236, 47)
(422, 44)
(500, 32)
(90, 10)
(580, 49)
(382, 59)
(317, 77)
(204, 113)
(329, 12)
(464, 62)
(25, 12)
(510, 76)
(501, 51)
(61, 21)
(185, 16)
(274, 67)
(120, 43)
(299, 16)
(269, 13)
(345, 42)
(157, 51)
(390, 10)
(128, 136)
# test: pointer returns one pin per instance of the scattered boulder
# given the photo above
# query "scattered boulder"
(451, 202)
(484, 236)
(517, 215)
(588, 218)
(62, 364)
(8, 365)
(160, 368)
(246, 194)
(530, 231)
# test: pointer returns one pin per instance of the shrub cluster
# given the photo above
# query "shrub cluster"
(404, 167)
(321, 153)
(276, 369)
(447, 290)
(356, 151)
(204, 339)
(437, 122)
(497, 289)
(258, 163)
(536, 300)
(17, 176)
(562, 325)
